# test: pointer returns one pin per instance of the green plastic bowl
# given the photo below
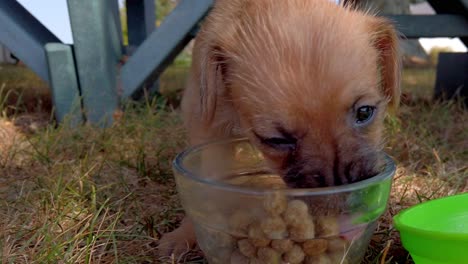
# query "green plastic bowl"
(436, 232)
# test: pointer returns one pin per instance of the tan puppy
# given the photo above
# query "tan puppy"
(307, 81)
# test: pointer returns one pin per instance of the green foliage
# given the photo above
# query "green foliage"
(163, 8)
(21, 90)
(123, 22)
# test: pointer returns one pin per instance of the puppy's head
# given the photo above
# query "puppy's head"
(309, 83)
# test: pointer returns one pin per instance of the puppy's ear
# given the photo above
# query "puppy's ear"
(212, 85)
(385, 39)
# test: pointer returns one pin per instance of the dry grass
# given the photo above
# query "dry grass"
(91, 195)
(88, 195)
(429, 140)
(21, 91)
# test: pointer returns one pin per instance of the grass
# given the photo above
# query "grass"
(22, 91)
(429, 141)
(91, 195)
(88, 195)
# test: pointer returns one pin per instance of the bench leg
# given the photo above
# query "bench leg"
(97, 39)
(452, 77)
(64, 84)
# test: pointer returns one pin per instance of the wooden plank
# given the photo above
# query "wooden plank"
(25, 36)
(96, 33)
(141, 21)
(161, 47)
(116, 34)
(465, 3)
(452, 77)
(64, 83)
(431, 26)
(459, 7)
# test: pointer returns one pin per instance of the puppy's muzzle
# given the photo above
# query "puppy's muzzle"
(309, 174)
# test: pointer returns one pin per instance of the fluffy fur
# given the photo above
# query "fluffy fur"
(295, 70)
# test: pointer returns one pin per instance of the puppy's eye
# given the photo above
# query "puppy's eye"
(364, 114)
(287, 142)
(280, 143)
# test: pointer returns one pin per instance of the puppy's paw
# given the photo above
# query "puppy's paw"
(177, 242)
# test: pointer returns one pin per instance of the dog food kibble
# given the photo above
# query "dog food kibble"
(282, 245)
(268, 255)
(257, 237)
(238, 258)
(304, 230)
(239, 222)
(285, 232)
(275, 203)
(256, 261)
(274, 227)
(327, 226)
(315, 247)
(296, 212)
(246, 248)
(259, 242)
(337, 245)
(295, 255)
(300, 234)
(320, 259)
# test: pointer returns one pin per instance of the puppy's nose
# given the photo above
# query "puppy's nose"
(305, 180)
(361, 169)
(317, 177)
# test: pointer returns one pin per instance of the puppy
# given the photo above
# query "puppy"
(307, 81)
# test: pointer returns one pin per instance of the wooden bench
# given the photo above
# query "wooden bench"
(451, 20)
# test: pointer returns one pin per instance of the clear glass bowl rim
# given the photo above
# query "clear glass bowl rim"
(178, 166)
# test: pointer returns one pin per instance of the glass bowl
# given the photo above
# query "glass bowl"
(242, 213)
